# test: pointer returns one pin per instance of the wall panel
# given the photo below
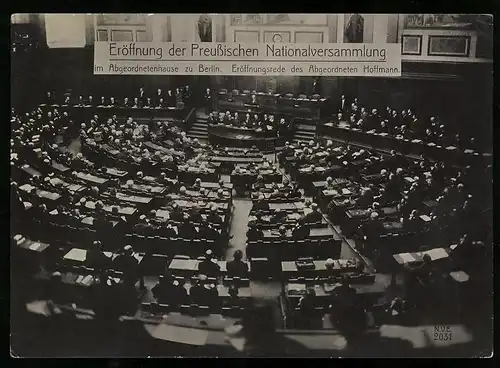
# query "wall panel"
(309, 37)
(242, 36)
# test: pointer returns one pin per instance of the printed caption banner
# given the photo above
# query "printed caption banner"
(286, 59)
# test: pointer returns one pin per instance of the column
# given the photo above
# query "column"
(340, 28)
(158, 25)
(380, 23)
(392, 28)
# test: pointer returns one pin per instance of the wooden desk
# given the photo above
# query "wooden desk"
(128, 211)
(216, 186)
(287, 206)
(223, 290)
(59, 167)
(31, 245)
(30, 171)
(340, 265)
(314, 233)
(145, 188)
(40, 192)
(224, 206)
(392, 226)
(91, 178)
(116, 173)
(133, 198)
(190, 266)
(80, 255)
(324, 291)
(417, 257)
(75, 188)
(90, 221)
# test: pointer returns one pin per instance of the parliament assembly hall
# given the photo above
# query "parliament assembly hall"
(233, 216)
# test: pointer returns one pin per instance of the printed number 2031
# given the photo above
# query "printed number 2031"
(442, 336)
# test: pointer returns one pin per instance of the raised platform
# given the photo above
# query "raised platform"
(230, 136)
(184, 114)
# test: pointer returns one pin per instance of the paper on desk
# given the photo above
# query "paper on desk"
(35, 246)
(407, 257)
(76, 254)
(39, 307)
(296, 287)
(87, 280)
(425, 218)
(346, 191)
(183, 335)
(437, 253)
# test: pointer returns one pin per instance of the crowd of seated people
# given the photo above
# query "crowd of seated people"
(403, 124)
(384, 194)
(188, 210)
(260, 123)
(256, 176)
(141, 99)
(102, 201)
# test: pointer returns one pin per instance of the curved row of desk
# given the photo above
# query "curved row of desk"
(383, 141)
(230, 136)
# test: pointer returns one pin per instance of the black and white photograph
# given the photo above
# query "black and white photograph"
(247, 214)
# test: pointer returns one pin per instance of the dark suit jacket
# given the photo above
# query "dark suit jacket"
(254, 234)
(237, 268)
(208, 268)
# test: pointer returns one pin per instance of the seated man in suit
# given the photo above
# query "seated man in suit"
(176, 214)
(129, 265)
(234, 301)
(366, 197)
(259, 183)
(170, 292)
(254, 233)
(344, 296)
(236, 267)
(213, 217)
(125, 261)
(162, 291)
(95, 256)
(314, 216)
(197, 292)
(209, 265)
(393, 187)
(329, 183)
(187, 230)
(413, 223)
(195, 215)
(301, 230)
(373, 227)
(306, 305)
(278, 217)
(203, 293)
(261, 204)
(207, 231)
(167, 231)
(294, 191)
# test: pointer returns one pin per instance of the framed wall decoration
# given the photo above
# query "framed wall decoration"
(437, 21)
(122, 35)
(102, 35)
(411, 45)
(141, 36)
(121, 19)
(449, 46)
